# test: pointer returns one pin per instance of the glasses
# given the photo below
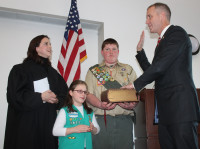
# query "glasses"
(80, 92)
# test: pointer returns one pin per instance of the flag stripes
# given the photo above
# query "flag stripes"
(73, 50)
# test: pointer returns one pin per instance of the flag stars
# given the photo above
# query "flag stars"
(73, 18)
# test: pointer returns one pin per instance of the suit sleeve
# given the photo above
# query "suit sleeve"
(142, 60)
(170, 50)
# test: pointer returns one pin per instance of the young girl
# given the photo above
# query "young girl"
(76, 121)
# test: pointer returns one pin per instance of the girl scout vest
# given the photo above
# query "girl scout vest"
(76, 140)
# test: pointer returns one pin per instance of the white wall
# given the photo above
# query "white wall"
(123, 20)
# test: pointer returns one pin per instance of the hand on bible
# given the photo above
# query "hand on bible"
(129, 86)
(128, 105)
(108, 106)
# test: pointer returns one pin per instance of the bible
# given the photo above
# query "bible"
(119, 95)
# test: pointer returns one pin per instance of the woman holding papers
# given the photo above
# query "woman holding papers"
(35, 91)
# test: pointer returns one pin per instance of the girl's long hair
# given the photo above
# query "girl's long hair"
(69, 101)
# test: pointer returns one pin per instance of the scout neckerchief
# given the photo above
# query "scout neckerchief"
(105, 79)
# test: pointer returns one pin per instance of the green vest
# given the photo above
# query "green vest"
(76, 140)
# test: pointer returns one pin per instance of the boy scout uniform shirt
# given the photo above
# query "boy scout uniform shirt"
(123, 73)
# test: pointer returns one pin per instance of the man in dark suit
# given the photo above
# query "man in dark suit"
(171, 69)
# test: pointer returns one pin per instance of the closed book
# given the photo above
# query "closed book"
(119, 95)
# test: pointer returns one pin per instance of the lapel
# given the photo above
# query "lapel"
(166, 34)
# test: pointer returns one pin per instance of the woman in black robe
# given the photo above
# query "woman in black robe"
(35, 91)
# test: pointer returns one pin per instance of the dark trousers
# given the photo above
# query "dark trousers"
(117, 135)
(178, 136)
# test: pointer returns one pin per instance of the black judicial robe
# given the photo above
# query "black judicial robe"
(29, 120)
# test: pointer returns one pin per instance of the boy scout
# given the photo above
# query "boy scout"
(114, 119)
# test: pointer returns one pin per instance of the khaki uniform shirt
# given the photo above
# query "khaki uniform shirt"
(123, 73)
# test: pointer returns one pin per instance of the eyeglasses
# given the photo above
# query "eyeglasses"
(80, 92)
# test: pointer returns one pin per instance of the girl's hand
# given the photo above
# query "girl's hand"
(92, 128)
(82, 128)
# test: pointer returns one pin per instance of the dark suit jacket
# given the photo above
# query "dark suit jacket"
(171, 69)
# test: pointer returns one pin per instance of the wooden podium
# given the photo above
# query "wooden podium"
(147, 96)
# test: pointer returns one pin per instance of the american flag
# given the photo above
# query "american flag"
(73, 50)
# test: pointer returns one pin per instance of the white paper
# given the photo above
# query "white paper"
(41, 86)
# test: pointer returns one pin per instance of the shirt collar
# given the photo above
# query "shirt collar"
(164, 30)
(104, 64)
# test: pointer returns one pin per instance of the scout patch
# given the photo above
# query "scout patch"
(89, 118)
(101, 75)
(104, 78)
(73, 114)
(123, 69)
(99, 83)
(71, 137)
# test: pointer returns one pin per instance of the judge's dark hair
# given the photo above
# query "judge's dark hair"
(109, 41)
(163, 7)
(32, 53)
(69, 101)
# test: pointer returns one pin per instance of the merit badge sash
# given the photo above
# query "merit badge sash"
(104, 77)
